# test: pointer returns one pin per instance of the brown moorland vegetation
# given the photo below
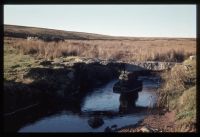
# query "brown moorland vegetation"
(178, 94)
(128, 50)
(98, 46)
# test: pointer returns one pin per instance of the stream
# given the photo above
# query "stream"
(101, 102)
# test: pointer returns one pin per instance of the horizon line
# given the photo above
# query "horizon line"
(104, 34)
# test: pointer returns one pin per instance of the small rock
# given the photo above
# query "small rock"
(90, 61)
(95, 122)
(145, 129)
(58, 67)
(192, 57)
(58, 60)
(78, 60)
(155, 130)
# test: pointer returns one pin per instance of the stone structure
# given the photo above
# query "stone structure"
(32, 38)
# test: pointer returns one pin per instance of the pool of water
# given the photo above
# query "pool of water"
(103, 103)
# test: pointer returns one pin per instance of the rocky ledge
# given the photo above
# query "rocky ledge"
(67, 79)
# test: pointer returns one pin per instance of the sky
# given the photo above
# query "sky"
(115, 20)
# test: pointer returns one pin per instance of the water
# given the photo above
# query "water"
(102, 102)
(102, 99)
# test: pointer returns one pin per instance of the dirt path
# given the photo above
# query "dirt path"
(155, 122)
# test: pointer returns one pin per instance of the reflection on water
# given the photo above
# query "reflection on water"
(102, 99)
(127, 102)
(147, 98)
(114, 109)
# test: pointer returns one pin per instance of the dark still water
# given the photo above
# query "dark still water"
(102, 103)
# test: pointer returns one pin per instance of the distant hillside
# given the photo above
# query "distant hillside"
(24, 32)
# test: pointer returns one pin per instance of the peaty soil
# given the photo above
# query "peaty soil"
(157, 121)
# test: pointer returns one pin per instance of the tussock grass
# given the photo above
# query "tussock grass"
(186, 111)
(129, 50)
(178, 93)
(176, 81)
(187, 105)
(15, 64)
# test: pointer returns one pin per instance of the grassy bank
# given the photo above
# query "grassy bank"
(16, 64)
(178, 93)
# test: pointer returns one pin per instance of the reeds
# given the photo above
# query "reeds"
(129, 50)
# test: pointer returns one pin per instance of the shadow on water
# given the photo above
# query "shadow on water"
(37, 113)
(127, 102)
(48, 80)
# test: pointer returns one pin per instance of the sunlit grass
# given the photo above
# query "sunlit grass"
(160, 50)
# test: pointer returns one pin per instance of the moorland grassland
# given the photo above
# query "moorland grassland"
(178, 89)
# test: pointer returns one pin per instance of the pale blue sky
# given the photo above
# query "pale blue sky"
(117, 20)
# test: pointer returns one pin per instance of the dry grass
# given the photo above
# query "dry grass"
(187, 105)
(175, 82)
(178, 93)
(186, 111)
(137, 50)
